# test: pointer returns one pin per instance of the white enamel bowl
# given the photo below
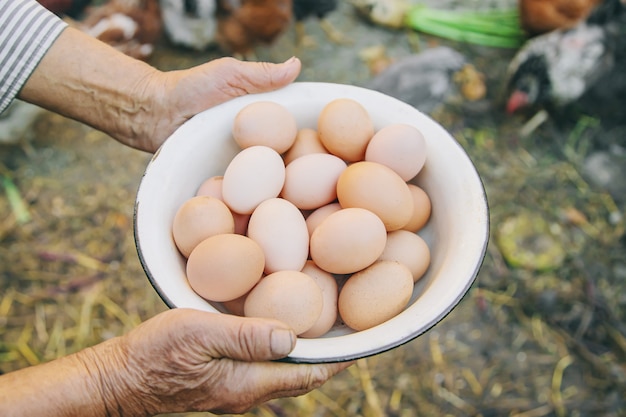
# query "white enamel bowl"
(457, 232)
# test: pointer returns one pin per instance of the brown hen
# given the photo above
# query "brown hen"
(244, 24)
(131, 26)
(541, 16)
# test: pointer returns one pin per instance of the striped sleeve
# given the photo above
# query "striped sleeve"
(27, 30)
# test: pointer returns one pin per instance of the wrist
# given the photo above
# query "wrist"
(91, 383)
(112, 381)
(141, 111)
(89, 81)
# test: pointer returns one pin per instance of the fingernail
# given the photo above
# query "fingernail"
(291, 60)
(281, 341)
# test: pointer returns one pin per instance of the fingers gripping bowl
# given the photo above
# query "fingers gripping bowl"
(457, 231)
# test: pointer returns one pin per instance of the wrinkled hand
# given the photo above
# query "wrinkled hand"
(179, 95)
(187, 360)
(87, 80)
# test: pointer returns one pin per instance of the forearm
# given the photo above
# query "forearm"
(89, 81)
(90, 383)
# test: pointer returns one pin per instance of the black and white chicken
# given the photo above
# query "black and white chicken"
(561, 68)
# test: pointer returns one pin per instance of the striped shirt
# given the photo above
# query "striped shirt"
(27, 30)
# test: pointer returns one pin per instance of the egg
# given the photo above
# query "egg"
(198, 218)
(292, 297)
(236, 306)
(225, 267)
(265, 123)
(348, 240)
(377, 188)
(374, 295)
(254, 175)
(212, 186)
(409, 249)
(345, 128)
(400, 147)
(322, 221)
(328, 285)
(307, 142)
(311, 180)
(317, 216)
(279, 228)
(421, 209)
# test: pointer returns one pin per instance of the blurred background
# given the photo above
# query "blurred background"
(534, 91)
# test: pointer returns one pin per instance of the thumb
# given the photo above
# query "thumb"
(224, 79)
(253, 339)
(258, 77)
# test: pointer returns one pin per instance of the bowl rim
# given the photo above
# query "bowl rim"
(301, 354)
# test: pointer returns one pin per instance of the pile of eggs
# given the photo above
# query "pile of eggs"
(312, 227)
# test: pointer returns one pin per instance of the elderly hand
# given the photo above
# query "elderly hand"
(178, 361)
(181, 360)
(140, 106)
(182, 94)
(188, 360)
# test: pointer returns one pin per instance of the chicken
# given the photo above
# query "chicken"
(131, 26)
(557, 74)
(557, 68)
(244, 24)
(541, 16)
(303, 9)
(190, 23)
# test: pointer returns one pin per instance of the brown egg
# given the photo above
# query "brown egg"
(235, 306)
(375, 295)
(311, 180)
(307, 142)
(317, 216)
(292, 297)
(348, 240)
(377, 188)
(399, 146)
(213, 187)
(345, 128)
(328, 285)
(265, 123)
(409, 249)
(198, 218)
(224, 267)
(421, 209)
